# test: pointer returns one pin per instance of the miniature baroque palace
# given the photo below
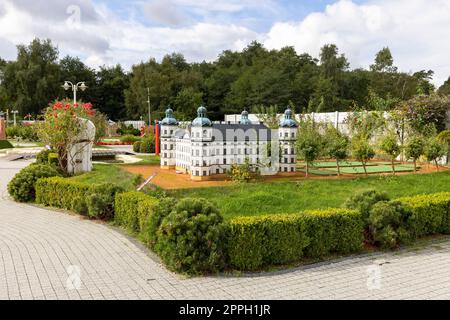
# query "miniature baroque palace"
(204, 149)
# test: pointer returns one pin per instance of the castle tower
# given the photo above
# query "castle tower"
(288, 136)
(168, 151)
(201, 140)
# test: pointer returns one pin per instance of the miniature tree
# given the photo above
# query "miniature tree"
(309, 143)
(414, 149)
(389, 145)
(362, 151)
(337, 145)
(435, 150)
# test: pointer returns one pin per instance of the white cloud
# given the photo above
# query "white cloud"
(415, 30)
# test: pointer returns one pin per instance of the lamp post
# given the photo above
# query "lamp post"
(149, 108)
(75, 87)
(15, 112)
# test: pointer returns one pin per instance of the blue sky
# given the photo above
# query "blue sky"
(107, 32)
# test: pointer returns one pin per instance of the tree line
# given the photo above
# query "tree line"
(254, 78)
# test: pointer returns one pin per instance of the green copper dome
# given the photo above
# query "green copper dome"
(288, 120)
(202, 120)
(169, 120)
(244, 118)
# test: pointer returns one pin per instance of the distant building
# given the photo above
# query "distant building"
(205, 149)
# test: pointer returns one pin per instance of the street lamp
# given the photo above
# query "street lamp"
(75, 87)
(15, 112)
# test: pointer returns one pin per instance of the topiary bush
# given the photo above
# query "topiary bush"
(160, 211)
(137, 146)
(387, 224)
(42, 157)
(430, 214)
(192, 238)
(132, 210)
(130, 139)
(365, 200)
(94, 201)
(148, 145)
(22, 186)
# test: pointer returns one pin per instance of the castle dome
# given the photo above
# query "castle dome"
(244, 118)
(288, 120)
(202, 119)
(169, 120)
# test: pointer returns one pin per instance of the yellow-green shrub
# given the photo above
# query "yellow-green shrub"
(430, 214)
(67, 194)
(330, 231)
(256, 242)
(132, 210)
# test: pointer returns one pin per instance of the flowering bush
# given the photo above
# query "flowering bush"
(61, 127)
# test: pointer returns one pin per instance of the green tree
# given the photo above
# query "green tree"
(390, 146)
(435, 150)
(309, 143)
(337, 145)
(362, 150)
(414, 149)
(445, 88)
(384, 62)
(187, 101)
(33, 80)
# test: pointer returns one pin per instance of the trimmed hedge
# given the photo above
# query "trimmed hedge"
(5, 144)
(132, 210)
(95, 201)
(430, 214)
(256, 242)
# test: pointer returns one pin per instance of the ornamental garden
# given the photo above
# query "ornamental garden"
(301, 191)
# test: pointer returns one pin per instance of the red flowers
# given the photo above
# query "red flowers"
(87, 106)
(57, 106)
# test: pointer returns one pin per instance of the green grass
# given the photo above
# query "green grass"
(108, 174)
(5, 144)
(294, 197)
(332, 164)
(376, 169)
(148, 160)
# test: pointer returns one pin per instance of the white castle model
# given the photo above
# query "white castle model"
(205, 149)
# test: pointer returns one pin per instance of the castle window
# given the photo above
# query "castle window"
(224, 161)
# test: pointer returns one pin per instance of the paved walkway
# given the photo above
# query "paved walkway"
(42, 252)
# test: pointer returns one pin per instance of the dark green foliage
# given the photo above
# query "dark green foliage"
(130, 139)
(388, 224)
(128, 130)
(365, 200)
(22, 186)
(61, 192)
(79, 206)
(53, 159)
(5, 144)
(148, 145)
(192, 238)
(161, 211)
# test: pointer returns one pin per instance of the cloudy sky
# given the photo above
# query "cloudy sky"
(115, 31)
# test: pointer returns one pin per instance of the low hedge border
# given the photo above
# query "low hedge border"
(132, 210)
(95, 201)
(430, 214)
(256, 242)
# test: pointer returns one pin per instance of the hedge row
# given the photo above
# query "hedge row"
(429, 214)
(255, 242)
(133, 210)
(95, 201)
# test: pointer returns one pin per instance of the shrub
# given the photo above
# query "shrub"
(256, 242)
(137, 146)
(241, 173)
(148, 145)
(42, 157)
(161, 210)
(24, 132)
(192, 238)
(339, 231)
(128, 130)
(430, 214)
(387, 224)
(22, 186)
(12, 132)
(365, 200)
(129, 139)
(53, 159)
(5, 144)
(95, 201)
(132, 210)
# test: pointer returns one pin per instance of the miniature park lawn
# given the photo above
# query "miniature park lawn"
(286, 197)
